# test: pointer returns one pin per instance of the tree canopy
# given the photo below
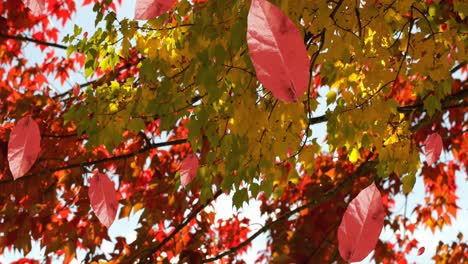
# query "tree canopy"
(190, 100)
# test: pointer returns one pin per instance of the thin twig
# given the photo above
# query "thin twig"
(94, 162)
(311, 70)
(40, 42)
(144, 253)
(407, 46)
(323, 198)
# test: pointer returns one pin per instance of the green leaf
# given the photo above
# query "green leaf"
(228, 181)
(254, 189)
(136, 125)
(366, 140)
(220, 54)
(240, 197)
(147, 71)
(331, 97)
(267, 187)
(238, 31)
(206, 193)
(408, 183)
(432, 104)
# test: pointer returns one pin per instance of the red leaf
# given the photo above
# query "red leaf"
(37, 7)
(103, 198)
(188, 169)
(24, 146)
(361, 225)
(76, 89)
(277, 51)
(433, 148)
(421, 251)
(149, 9)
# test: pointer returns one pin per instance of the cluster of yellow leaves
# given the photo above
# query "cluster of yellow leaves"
(197, 58)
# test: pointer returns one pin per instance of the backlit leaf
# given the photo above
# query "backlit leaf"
(103, 198)
(37, 7)
(433, 148)
(354, 155)
(361, 225)
(76, 89)
(149, 9)
(188, 169)
(23, 146)
(277, 51)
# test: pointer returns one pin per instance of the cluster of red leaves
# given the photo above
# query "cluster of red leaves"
(20, 23)
(38, 211)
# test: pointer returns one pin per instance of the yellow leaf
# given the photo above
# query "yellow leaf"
(391, 140)
(152, 47)
(353, 77)
(355, 155)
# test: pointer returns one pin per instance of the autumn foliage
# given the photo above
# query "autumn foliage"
(191, 100)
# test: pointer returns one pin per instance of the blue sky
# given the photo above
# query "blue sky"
(223, 206)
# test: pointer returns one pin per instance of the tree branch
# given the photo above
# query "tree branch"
(83, 85)
(458, 67)
(408, 43)
(40, 42)
(94, 162)
(448, 102)
(338, 5)
(325, 197)
(58, 136)
(144, 253)
(311, 71)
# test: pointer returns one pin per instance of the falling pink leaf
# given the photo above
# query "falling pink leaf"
(24, 146)
(149, 9)
(361, 225)
(277, 51)
(37, 7)
(103, 198)
(433, 148)
(188, 169)
(421, 251)
(76, 89)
